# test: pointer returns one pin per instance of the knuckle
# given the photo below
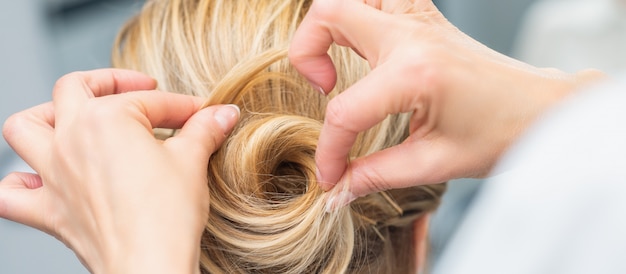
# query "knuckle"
(97, 112)
(371, 179)
(337, 113)
(327, 10)
(212, 143)
(323, 12)
(212, 139)
(12, 125)
(66, 81)
(425, 66)
(296, 55)
(98, 118)
(207, 146)
(415, 62)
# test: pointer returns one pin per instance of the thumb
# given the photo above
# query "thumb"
(405, 165)
(205, 131)
(20, 199)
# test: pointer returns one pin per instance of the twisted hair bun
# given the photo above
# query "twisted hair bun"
(266, 205)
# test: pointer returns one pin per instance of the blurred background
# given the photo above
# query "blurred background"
(45, 39)
(41, 41)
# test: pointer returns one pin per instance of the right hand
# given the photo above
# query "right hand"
(469, 103)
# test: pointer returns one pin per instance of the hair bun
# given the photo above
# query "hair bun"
(266, 206)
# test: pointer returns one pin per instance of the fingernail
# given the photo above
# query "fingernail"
(318, 176)
(227, 116)
(321, 90)
(339, 200)
(318, 88)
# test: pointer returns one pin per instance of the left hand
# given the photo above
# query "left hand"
(124, 201)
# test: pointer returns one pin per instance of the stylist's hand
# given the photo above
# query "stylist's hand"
(468, 102)
(122, 200)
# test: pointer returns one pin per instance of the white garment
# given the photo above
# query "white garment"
(572, 35)
(558, 203)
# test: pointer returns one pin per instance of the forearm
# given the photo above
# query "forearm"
(153, 257)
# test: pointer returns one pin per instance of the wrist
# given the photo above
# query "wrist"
(589, 76)
(529, 97)
(566, 84)
(154, 257)
(174, 262)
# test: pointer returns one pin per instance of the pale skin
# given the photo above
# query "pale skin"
(128, 203)
(123, 201)
(469, 103)
(105, 187)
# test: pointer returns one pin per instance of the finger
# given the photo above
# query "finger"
(204, 132)
(408, 164)
(74, 89)
(359, 108)
(20, 199)
(153, 109)
(405, 165)
(30, 132)
(325, 23)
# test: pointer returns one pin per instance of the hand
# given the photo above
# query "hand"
(468, 102)
(122, 200)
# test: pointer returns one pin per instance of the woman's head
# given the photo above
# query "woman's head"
(267, 212)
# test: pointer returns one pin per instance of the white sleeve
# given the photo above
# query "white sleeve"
(557, 201)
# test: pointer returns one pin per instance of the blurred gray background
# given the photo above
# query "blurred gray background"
(41, 41)
(44, 39)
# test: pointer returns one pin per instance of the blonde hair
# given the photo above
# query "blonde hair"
(267, 213)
